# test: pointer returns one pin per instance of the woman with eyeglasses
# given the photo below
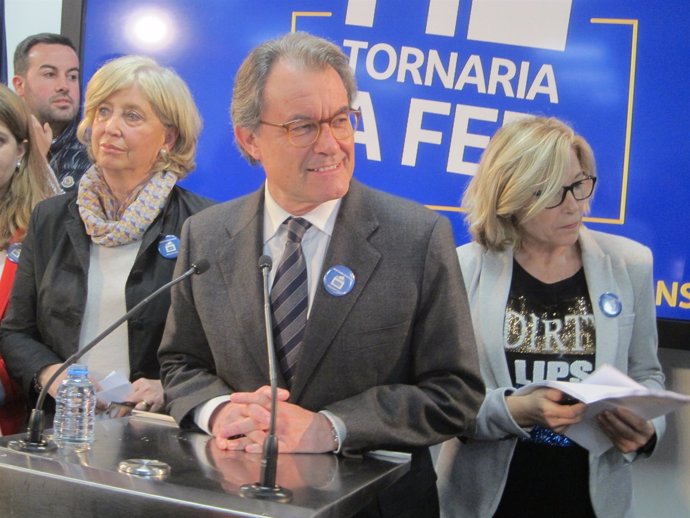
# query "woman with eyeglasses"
(550, 299)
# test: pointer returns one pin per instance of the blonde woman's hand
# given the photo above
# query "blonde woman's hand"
(628, 431)
(545, 407)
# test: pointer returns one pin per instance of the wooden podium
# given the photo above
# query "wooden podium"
(203, 481)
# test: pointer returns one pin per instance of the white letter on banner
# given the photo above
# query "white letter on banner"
(414, 133)
(354, 54)
(442, 17)
(509, 116)
(540, 24)
(545, 72)
(473, 63)
(496, 77)
(434, 64)
(411, 59)
(369, 132)
(522, 80)
(392, 60)
(360, 12)
(461, 137)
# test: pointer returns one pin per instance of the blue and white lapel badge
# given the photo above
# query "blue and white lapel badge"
(67, 182)
(339, 280)
(13, 252)
(610, 304)
(169, 246)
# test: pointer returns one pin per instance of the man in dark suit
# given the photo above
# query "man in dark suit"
(378, 350)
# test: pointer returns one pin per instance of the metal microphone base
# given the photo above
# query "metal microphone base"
(275, 493)
(32, 447)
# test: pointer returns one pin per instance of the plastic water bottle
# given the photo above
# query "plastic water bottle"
(75, 409)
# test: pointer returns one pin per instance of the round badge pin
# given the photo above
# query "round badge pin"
(67, 182)
(169, 246)
(610, 304)
(13, 252)
(339, 280)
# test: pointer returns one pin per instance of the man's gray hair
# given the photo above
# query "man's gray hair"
(300, 48)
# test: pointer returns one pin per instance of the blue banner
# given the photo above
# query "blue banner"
(438, 78)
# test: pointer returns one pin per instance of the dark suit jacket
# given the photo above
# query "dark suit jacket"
(395, 358)
(44, 318)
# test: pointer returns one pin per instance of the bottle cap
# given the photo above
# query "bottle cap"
(78, 369)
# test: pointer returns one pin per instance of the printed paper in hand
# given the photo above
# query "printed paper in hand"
(607, 388)
(114, 387)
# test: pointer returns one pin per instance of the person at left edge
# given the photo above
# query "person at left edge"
(387, 360)
(91, 255)
(25, 180)
(46, 68)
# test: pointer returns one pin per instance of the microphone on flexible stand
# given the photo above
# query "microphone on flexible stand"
(266, 488)
(34, 440)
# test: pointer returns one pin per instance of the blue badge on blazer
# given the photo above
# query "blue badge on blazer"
(67, 182)
(169, 246)
(13, 252)
(610, 304)
(339, 280)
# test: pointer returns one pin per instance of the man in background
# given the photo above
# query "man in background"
(371, 322)
(46, 68)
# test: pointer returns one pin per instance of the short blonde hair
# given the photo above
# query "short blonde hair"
(524, 157)
(32, 181)
(170, 99)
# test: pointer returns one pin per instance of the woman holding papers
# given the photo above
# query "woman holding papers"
(91, 255)
(550, 300)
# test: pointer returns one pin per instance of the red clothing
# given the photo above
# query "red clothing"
(13, 405)
(6, 282)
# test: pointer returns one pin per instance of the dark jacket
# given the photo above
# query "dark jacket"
(47, 305)
(69, 158)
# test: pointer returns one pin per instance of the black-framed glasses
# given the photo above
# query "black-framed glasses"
(581, 190)
(304, 132)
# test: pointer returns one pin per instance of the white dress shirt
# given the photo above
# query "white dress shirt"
(314, 245)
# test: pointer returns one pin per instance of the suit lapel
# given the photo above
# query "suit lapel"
(350, 247)
(237, 257)
(494, 289)
(78, 236)
(600, 279)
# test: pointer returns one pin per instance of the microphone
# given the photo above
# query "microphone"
(34, 440)
(266, 488)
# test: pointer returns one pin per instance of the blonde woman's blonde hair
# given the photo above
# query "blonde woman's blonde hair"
(170, 99)
(32, 181)
(526, 157)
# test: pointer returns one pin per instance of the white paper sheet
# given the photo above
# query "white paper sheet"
(606, 388)
(114, 387)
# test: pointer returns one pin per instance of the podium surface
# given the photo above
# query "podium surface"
(203, 481)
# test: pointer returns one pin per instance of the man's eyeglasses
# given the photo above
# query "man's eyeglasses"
(304, 132)
(581, 190)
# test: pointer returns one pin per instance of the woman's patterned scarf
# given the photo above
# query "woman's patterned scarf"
(110, 223)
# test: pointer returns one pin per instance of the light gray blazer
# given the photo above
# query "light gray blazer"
(472, 473)
(395, 358)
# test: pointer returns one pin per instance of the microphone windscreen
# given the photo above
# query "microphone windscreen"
(201, 266)
(265, 262)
